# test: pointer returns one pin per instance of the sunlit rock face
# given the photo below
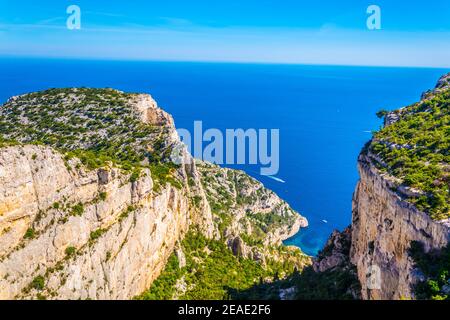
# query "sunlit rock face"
(70, 231)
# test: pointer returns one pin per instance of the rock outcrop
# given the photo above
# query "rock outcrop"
(383, 226)
(335, 253)
(385, 220)
(246, 212)
(70, 231)
(88, 234)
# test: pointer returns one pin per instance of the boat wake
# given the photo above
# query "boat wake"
(276, 179)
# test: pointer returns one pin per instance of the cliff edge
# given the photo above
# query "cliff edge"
(91, 207)
(402, 196)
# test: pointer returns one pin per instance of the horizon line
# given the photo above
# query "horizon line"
(287, 63)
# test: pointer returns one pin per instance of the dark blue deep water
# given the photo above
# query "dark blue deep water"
(325, 115)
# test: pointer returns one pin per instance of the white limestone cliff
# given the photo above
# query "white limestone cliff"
(68, 232)
(383, 226)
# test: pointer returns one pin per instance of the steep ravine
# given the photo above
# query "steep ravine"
(91, 207)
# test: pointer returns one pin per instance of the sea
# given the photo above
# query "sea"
(324, 114)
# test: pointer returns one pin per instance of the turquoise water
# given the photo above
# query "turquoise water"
(325, 115)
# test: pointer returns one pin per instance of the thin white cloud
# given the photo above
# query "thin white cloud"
(170, 41)
(51, 21)
(34, 26)
(104, 14)
(177, 22)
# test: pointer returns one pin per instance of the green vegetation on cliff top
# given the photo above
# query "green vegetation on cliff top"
(100, 127)
(416, 150)
(97, 126)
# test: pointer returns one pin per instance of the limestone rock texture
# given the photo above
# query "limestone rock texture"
(69, 232)
(120, 243)
(383, 226)
(244, 208)
(335, 253)
(384, 223)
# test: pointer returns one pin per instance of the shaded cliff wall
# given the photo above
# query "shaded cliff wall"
(383, 227)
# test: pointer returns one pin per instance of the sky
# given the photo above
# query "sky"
(413, 33)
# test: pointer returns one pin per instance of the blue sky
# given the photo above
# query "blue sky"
(414, 33)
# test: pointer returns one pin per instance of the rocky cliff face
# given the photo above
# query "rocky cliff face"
(70, 229)
(383, 227)
(243, 206)
(335, 253)
(83, 234)
(385, 219)
(250, 218)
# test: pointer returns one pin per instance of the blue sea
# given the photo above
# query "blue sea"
(325, 115)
